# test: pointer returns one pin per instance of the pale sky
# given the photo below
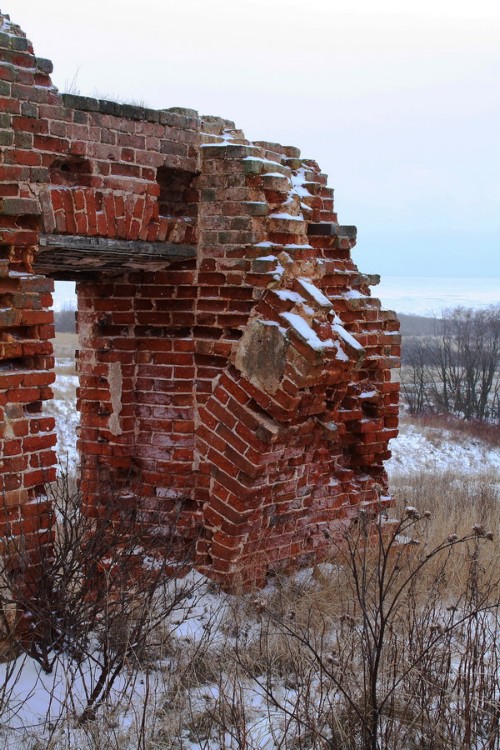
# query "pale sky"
(399, 102)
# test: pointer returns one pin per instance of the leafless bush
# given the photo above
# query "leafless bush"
(388, 663)
(102, 594)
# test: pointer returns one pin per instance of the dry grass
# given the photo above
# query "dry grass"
(65, 344)
(456, 503)
(65, 366)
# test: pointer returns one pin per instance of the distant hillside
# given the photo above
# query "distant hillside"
(418, 325)
(411, 325)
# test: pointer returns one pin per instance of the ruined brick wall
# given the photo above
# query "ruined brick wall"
(235, 388)
(26, 320)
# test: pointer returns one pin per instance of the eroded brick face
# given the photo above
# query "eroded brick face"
(235, 372)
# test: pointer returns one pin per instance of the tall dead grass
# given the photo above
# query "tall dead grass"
(456, 503)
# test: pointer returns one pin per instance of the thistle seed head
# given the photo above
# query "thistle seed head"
(412, 512)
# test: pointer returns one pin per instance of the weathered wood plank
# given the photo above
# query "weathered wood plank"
(68, 256)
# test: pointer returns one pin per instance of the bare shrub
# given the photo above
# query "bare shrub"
(385, 665)
(456, 371)
(103, 592)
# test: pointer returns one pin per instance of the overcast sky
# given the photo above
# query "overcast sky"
(399, 102)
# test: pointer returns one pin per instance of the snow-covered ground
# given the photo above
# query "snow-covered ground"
(63, 408)
(33, 702)
(427, 449)
(427, 295)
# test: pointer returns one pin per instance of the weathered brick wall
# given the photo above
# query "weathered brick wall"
(235, 388)
(26, 320)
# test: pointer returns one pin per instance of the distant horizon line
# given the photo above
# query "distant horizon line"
(437, 276)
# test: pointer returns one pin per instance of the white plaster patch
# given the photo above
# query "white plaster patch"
(115, 388)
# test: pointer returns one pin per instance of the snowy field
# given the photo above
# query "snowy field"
(63, 408)
(431, 449)
(429, 295)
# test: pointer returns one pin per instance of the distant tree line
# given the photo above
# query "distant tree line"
(456, 370)
(419, 325)
(65, 320)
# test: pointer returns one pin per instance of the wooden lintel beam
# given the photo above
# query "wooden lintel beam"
(128, 249)
(73, 257)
